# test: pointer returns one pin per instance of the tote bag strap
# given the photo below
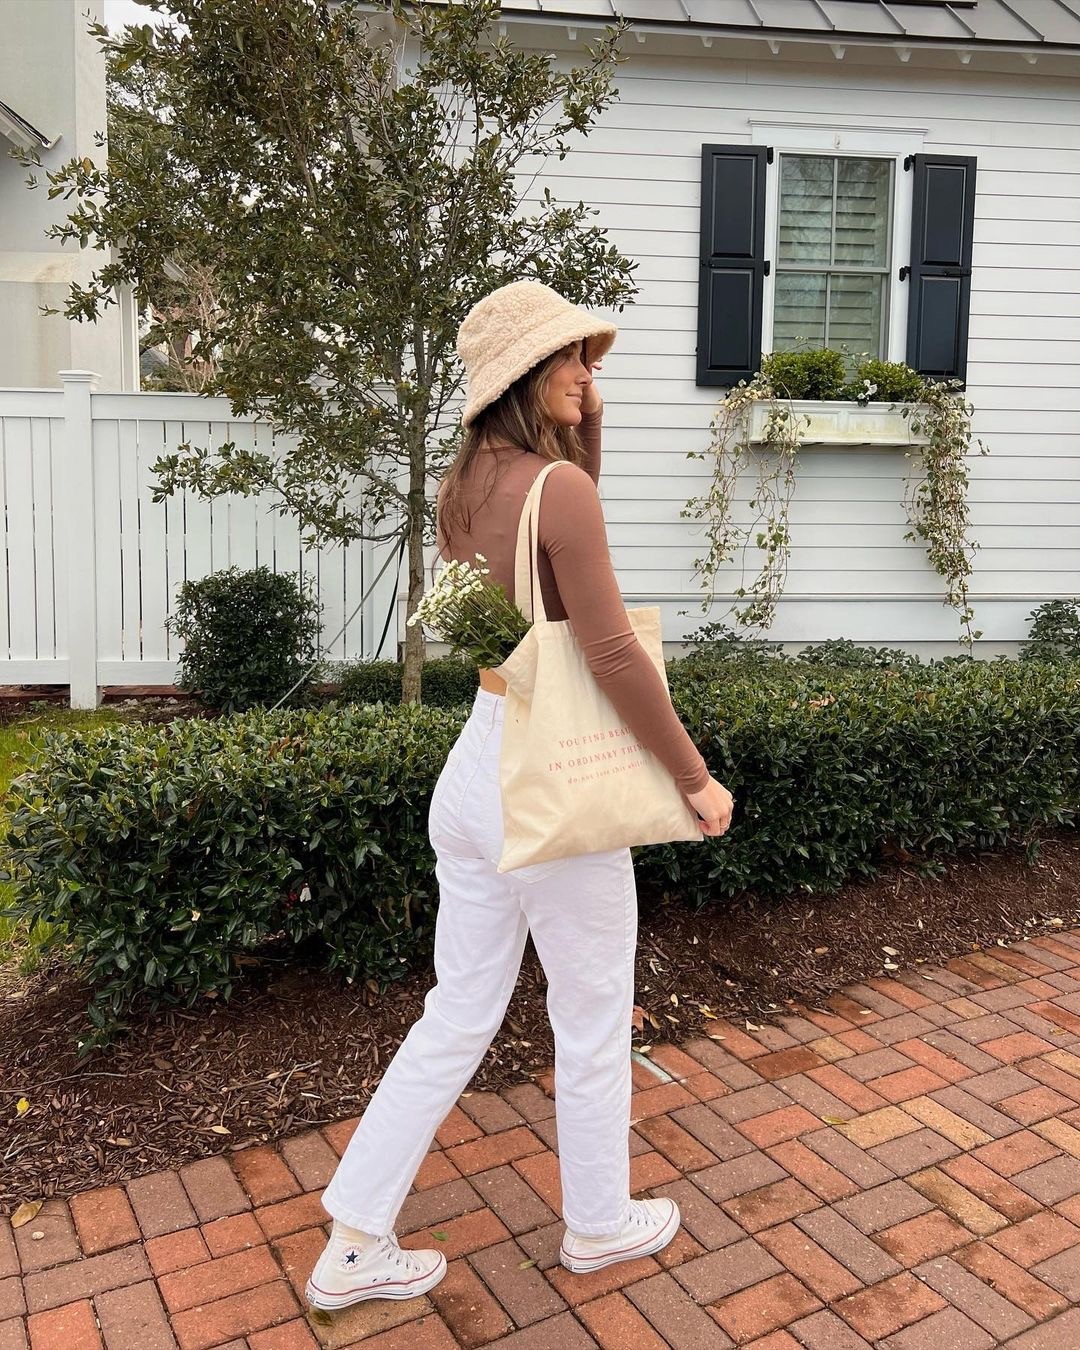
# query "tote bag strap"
(527, 593)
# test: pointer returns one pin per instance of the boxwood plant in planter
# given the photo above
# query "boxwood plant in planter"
(809, 397)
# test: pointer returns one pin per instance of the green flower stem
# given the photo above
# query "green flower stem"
(483, 625)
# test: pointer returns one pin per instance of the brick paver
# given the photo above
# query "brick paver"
(898, 1170)
(73, 1326)
(134, 1319)
(213, 1189)
(104, 1219)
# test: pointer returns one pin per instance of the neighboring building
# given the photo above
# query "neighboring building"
(828, 135)
(52, 98)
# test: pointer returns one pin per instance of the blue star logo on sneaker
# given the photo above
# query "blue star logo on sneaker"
(348, 1272)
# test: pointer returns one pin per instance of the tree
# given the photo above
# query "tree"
(185, 289)
(353, 180)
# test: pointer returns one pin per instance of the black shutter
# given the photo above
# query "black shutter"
(942, 219)
(733, 265)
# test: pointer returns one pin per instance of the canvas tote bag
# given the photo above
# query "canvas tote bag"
(574, 777)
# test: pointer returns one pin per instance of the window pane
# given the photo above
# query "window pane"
(855, 313)
(862, 212)
(806, 190)
(800, 311)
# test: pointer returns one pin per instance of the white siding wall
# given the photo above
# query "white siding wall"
(852, 574)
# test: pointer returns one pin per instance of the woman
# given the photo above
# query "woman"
(528, 357)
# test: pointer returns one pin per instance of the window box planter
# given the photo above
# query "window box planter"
(842, 424)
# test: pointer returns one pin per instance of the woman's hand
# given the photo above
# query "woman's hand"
(591, 402)
(713, 804)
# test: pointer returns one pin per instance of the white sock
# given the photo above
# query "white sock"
(355, 1237)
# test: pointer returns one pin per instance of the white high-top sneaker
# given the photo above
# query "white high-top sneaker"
(650, 1225)
(346, 1274)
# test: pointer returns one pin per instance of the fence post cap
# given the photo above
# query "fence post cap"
(79, 376)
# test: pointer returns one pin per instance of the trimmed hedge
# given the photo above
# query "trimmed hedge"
(1054, 634)
(446, 682)
(170, 851)
(830, 764)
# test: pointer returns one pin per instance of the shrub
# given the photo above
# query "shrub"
(169, 851)
(446, 682)
(827, 765)
(449, 682)
(248, 636)
(895, 381)
(842, 652)
(370, 682)
(806, 374)
(1054, 634)
(821, 374)
(716, 643)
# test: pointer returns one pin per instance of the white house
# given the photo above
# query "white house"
(52, 100)
(902, 176)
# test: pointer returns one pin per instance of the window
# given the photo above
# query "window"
(833, 253)
(803, 245)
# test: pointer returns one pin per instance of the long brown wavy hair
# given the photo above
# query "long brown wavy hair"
(516, 418)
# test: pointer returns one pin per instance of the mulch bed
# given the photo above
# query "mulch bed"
(296, 1048)
(152, 701)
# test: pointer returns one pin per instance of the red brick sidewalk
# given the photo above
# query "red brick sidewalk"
(901, 1172)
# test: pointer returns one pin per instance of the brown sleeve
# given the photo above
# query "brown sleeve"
(589, 431)
(440, 538)
(573, 536)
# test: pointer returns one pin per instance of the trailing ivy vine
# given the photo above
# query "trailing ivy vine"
(773, 463)
(935, 486)
(935, 493)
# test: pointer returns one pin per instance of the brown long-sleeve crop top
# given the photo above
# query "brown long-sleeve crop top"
(577, 582)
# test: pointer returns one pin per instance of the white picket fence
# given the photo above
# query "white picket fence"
(93, 565)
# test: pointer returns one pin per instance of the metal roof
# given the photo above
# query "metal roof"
(1012, 23)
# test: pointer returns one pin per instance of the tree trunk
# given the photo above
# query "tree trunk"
(414, 637)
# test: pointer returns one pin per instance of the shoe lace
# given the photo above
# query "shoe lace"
(638, 1215)
(404, 1261)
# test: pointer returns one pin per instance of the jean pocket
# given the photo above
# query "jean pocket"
(536, 872)
(447, 788)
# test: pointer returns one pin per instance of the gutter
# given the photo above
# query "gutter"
(18, 129)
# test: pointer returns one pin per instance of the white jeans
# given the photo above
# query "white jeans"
(582, 913)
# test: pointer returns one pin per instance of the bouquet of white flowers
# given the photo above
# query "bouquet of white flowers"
(476, 618)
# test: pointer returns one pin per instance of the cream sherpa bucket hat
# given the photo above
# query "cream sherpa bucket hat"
(512, 329)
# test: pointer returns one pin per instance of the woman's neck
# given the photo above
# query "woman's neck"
(488, 449)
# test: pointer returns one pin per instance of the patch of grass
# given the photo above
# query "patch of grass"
(19, 740)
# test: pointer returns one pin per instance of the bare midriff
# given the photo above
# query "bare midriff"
(577, 583)
(494, 684)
